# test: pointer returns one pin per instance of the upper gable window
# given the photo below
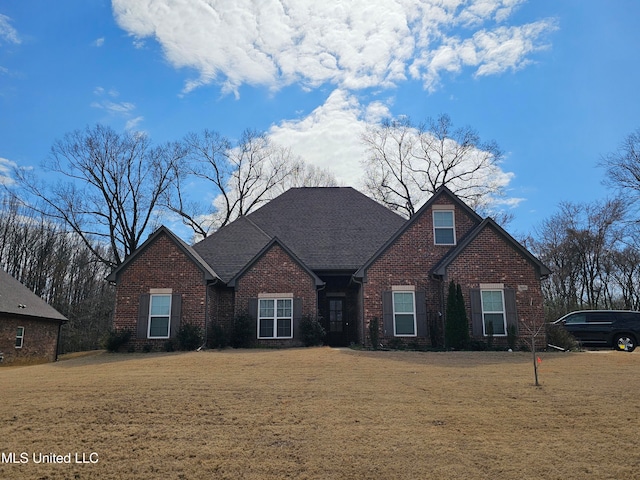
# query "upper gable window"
(444, 232)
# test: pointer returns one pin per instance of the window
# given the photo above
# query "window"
(443, 227)
(159, 316)
(493, 313)
(275, 318)
(19, 337)
(404, 318)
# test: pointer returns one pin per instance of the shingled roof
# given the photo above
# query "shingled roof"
(16, 299)
(327, 228)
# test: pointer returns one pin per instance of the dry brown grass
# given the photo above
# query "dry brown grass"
(326, 414)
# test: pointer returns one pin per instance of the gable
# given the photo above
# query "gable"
(416, 242)
(274, 263)
(490, 243)
(164, 233)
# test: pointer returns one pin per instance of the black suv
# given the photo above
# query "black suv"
(604, 328)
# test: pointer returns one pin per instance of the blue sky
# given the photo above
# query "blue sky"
(554, 83)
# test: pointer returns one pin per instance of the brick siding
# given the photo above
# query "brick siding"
(39, 344)
(276, 272)
(162, 264)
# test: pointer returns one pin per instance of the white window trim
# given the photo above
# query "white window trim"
(453, 227)
(168, 316)
(393, 304)
(504, 312)
(275, 317)
(21, 337)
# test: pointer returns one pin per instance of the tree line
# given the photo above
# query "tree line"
(593, 249)
(106, 191)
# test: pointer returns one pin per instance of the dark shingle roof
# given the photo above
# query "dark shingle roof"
(328, 228)
(16, 299)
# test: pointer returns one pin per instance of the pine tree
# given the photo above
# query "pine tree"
(457, 324)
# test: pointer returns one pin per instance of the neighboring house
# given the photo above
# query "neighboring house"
(337, 254)
(29, 327)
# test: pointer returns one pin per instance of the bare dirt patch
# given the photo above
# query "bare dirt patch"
(324, 413)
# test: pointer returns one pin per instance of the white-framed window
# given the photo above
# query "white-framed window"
(20, 337)
(159, 316)
(493, 312)
(404, 314)
(444, 232)
(275, 318)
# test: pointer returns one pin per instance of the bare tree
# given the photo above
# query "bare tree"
(243, 175)
(623, 166)
(109, 190)
(580, 244)
(406, 164)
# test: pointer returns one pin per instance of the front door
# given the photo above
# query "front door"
(338, 333)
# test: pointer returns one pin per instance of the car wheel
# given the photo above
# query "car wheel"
(625, 343)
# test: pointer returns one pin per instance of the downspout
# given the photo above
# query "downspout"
(443, 308)
(206, 312)
(361, 283)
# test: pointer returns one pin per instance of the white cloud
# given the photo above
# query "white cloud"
(99, 42)
(5, 170)
(329, 137)
(8, 34)
(124, 110)
(353, 45)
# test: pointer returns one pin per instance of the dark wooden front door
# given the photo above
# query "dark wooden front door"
(339, 330)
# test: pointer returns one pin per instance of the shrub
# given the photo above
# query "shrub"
(311, 331)
(189, 336)
(147, 348)
(217, 336)
(457, 325)
(116, 339)
(559, 337)
(169, 346)
(244, 331)
(374, 333)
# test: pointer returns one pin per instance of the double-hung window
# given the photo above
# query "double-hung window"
(275, 318)
(493, 312)
(404, 314)
(20, 337)
(159, 316)
(444, 232)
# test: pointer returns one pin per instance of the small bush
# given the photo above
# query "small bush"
(559, 337)
(374, 333)
(311, 331)
(244, 331)
(189, 337)
(169, 346)
(116, 339)
(147, 348)
(217, 336)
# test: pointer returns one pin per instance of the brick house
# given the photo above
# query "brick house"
(29, 327)
(336, 254)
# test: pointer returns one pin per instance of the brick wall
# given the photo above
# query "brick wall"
(161, 265)
(276, 272)
(39, 344)
(489, 258)
(409, 261)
